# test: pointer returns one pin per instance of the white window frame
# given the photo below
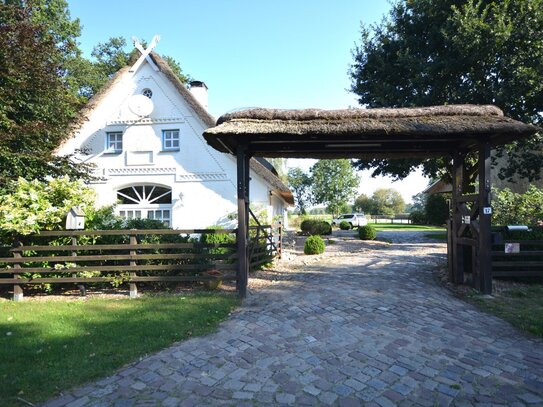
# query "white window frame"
(114, 141)
(170, 137)
(146, 212)
(144, 206)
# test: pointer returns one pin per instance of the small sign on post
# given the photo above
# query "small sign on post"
(466, 219)
(75, 219)
(512, 248)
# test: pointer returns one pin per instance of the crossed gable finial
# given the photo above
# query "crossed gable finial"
(145, 53)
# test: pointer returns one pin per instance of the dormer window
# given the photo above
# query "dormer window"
(147, 92)
(114, 142)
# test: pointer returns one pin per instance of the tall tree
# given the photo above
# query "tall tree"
(334, 183)
(431, 52)
(364, 203)
(36, 104)
(388, 201)
(300, 183)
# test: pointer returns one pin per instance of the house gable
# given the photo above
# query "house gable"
(136, 142)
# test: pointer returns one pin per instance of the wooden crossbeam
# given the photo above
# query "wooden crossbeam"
(145, 53)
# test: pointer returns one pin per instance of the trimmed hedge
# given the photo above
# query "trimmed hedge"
(316, 227)
(344, 225)
(367, 232)
(314, 245)
(418, 218)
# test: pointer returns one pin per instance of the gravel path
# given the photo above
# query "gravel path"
(363, 324)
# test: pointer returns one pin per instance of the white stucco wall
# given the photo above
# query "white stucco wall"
(202, 180)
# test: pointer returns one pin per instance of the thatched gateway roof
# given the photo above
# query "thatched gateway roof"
(370, 133)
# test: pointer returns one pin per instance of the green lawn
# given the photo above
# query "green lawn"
(405, 226)
(442, 236)
(520, 304)
(49, 346)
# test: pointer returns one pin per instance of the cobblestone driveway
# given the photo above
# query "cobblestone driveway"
(365, 324)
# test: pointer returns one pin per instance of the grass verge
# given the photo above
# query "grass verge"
(405, 226)
(441, 236)
(519, 304)
(49, 346)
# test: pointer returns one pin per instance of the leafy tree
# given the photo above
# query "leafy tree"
(36, 103)
(388, 201)
(364, 203)
(419, 202)
(300, 184)
(342, 208)
(112, 55)
(431, 52)
(334, 183)
(41, 205)
(510, 208)
(436, 209)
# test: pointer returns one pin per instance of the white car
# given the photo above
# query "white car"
(354, 220)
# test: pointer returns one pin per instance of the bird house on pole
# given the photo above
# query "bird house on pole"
(75, 219)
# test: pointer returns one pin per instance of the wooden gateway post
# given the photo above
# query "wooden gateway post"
(428, 132)
(243, 158)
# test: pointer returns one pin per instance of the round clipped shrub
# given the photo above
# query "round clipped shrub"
(367, 232)
(344, 225)
(316, 227)
(314, 245)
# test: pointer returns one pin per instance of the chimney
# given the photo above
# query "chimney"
(199, 91)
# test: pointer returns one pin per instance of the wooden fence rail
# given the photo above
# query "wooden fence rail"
(523, 258)
(130, 256)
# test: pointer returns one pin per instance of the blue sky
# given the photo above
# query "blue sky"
(280, 54)
(283, 54)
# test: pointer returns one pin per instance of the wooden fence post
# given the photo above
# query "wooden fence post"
(82, 288)
(280, 242)
(133, 286)
(17, 288)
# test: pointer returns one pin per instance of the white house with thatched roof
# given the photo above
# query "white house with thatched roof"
(143, 132)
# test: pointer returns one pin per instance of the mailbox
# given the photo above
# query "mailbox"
(75, 219)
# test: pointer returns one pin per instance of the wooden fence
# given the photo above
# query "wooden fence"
(517, 258)
(399, 218)
(132, 256)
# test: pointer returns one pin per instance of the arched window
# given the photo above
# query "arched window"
(145, 201)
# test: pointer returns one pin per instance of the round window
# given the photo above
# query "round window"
(147, 92)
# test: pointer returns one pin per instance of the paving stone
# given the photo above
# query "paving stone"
(285, 398)
(349, 402)
(530, 398)
(364, 323)
(327, 397)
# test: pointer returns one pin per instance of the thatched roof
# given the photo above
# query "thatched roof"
(198, 109)
(279, 187)
(388, 133)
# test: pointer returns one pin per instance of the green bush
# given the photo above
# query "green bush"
(367, 232)
(437, 209)
(510, 208)
(316, 227)
(418, 218)
(344, 225)
(314, 245)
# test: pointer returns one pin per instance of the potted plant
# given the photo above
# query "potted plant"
(216, 282)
